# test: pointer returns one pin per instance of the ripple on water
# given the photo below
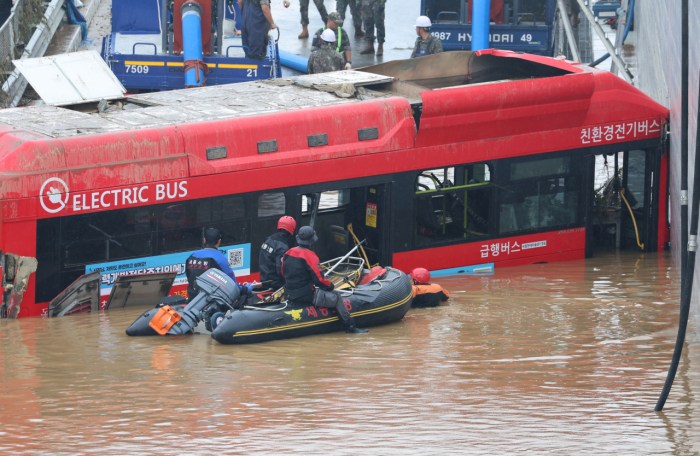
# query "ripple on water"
(562, 358)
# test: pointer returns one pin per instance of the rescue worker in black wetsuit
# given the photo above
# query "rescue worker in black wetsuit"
(271, 251)
(206, 258)
(426, 294)
(301, 271)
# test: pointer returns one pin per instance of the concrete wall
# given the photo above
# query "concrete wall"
(658, 27)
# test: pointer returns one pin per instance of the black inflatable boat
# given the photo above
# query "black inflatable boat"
(377, 296)
(383, 296)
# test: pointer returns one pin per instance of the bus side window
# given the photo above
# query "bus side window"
(426, 204)
(540, 194)
(230, 215)
(270, 206)
(452, 204)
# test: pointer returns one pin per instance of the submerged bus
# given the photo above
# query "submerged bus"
(516, 25)
(452, 161)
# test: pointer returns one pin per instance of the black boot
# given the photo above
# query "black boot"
(347, 319)
(369, 49)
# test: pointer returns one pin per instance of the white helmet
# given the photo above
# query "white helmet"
(328, 36)
(423, 21)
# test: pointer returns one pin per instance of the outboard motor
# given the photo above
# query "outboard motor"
(215, 289)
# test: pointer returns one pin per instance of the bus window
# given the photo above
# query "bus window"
(228, 214)
(76, 241)
(327, 200)
(67, 244)
(271, 204)
(180, 225)
(452, 204)
(175, 228)
(539, 194)
(93, 238)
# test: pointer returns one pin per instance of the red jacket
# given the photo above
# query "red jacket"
(301, 271)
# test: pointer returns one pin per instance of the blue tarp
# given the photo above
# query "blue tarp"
(136, 16)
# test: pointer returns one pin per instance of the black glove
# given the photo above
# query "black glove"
(238, 304)
(330, 287)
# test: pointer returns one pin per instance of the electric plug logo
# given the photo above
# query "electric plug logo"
(53, 195)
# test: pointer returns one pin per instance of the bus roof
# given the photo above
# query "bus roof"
(423, 112)
(404, 78)
(160, 109)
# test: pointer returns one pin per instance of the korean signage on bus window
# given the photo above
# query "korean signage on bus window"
(506, 247)
(620, 131)
(371, 215)
(238, 259)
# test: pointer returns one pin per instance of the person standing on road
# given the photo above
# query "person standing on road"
(341, 6)
(342, 40)
(325, 58)
(373, 18)
(426, 43)
(257, 22)
(304, 10)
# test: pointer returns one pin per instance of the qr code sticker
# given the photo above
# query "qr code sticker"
(235, 258)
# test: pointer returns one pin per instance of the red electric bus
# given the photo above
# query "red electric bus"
(455, 162)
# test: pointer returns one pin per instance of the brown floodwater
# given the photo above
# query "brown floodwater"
(564, 358)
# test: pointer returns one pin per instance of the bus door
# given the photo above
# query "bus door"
(344, 217)
(626, 201)
(369, 222)
(639, 195)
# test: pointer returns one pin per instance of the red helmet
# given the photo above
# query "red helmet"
(287, 223)
(420, 276)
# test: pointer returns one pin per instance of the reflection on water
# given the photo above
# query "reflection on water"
(564, 358)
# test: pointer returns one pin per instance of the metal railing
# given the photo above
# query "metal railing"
(26, 34)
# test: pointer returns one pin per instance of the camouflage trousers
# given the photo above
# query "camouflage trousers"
(373, 17)
(304, 9)
(341, 7)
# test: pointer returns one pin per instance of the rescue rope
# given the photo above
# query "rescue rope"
(378, 282)
(357, 242)
(284, 305)
(197, 65)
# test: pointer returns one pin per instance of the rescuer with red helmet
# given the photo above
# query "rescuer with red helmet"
(271, 251)
(208, 257)
(304, 283)
(426, 294)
